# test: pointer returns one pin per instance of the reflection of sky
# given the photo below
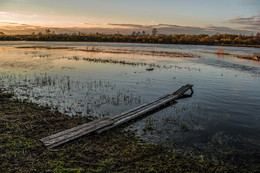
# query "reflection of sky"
(226, 94)
(86, 13)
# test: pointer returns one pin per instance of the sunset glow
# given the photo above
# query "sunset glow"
(233, 16)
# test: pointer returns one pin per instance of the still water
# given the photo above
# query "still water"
(224, 110)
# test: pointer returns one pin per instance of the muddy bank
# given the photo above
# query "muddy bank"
(141, 52)
(114, 61)
(23, 124)
(43, 47)
(253, 57)
(219, 52)
(118, 51)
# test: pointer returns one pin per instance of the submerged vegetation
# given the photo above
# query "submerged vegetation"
(202, 39)
(119, 51)
(220, 52)
(23, 124)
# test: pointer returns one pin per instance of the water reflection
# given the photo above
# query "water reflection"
(223, 110)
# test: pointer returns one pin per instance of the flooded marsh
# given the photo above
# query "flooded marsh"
(222, 116)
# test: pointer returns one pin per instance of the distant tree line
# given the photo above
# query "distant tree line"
(141, 37)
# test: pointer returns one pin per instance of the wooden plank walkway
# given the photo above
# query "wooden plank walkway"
(106, 123)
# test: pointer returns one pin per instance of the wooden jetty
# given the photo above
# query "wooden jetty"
(106, 123)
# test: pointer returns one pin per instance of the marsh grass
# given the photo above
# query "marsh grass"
(220, 51)
(69, 96)
(132, 63)
(117, 51)
(148, 124)
(23, 124)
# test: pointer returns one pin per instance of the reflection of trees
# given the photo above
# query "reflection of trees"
(140, 37)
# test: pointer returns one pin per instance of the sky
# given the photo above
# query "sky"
(125, 16)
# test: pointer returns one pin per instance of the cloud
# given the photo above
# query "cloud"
(177, 29)
(251, 2)
(227, 30)
(130, 25)
(112, 28)
(252, 22)
(11, 23)
(254, 28)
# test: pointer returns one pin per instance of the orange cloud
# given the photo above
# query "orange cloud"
(110, 28)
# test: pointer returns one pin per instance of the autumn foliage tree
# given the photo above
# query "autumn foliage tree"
(141, 37)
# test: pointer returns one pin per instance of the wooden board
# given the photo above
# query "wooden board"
(107, 123)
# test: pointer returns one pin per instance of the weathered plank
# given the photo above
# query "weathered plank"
(91, 124)
(107, 123)
(75, 134)
(140, 107)
(140, 113)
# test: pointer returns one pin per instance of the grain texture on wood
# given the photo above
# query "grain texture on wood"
(106, 123)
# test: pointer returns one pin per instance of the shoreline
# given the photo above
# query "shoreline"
(23, 124)
(219, 52)
(220, 45)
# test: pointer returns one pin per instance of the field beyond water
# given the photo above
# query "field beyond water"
(47, 87)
